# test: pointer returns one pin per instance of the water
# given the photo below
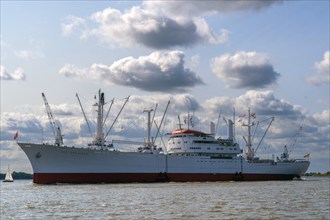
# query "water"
(309, 199)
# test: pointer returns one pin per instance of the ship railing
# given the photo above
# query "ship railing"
(301, 160)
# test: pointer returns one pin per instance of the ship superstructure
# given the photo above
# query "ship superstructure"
(189, 155)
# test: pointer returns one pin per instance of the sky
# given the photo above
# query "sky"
(208, 58)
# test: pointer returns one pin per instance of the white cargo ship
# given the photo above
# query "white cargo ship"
(189, 155)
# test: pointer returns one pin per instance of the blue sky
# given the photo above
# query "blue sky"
(271, 56)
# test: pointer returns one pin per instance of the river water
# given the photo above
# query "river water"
(308, 199)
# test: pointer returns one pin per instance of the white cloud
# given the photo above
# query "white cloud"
(28, 54)
(260, 102)
(162, 71)
(199, 8)
(151, 29)
(72, 24)
(245, 70)
(193, 62)
(265, 103)
(322, 118)
(16, 76)
(160, 24)
(71, 71)
(323, 71)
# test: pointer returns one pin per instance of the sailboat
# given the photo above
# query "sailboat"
(8, 177)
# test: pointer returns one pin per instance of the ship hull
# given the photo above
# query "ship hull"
(47, 178)
(54, 164)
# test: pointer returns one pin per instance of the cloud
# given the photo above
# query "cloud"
(322, 119)
(247, 70)
(323, 71)
(71, 71)
(72, 24)
(260, 102)
(265, 103)
(16, 76)
(199, 8)
(28, 54)
(27, 123)
(160, 24)
(162, 71)
(151, 29)
(193, 62)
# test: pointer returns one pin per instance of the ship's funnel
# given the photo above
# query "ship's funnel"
(230, 129)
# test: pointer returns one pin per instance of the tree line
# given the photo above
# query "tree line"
(18, 175)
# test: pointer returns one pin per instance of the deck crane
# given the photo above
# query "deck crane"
(290, 144)
(56, 129)
(292, 141)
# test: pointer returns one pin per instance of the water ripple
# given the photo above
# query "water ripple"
(272, 200)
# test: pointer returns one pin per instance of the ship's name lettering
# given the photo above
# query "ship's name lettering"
(73, 152)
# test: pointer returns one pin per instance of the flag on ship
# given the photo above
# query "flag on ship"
(16, 135)
(306, 156)
(241, 117)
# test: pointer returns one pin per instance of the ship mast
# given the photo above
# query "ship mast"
(99, 137)
(250, 153)
(148, 141)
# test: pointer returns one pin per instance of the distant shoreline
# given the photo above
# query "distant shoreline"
(317, 174)
(18, 176)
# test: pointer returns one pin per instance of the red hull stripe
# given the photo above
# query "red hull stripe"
(46, 178)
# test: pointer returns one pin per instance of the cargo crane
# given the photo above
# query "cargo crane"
(288, 147)
(56, 129)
